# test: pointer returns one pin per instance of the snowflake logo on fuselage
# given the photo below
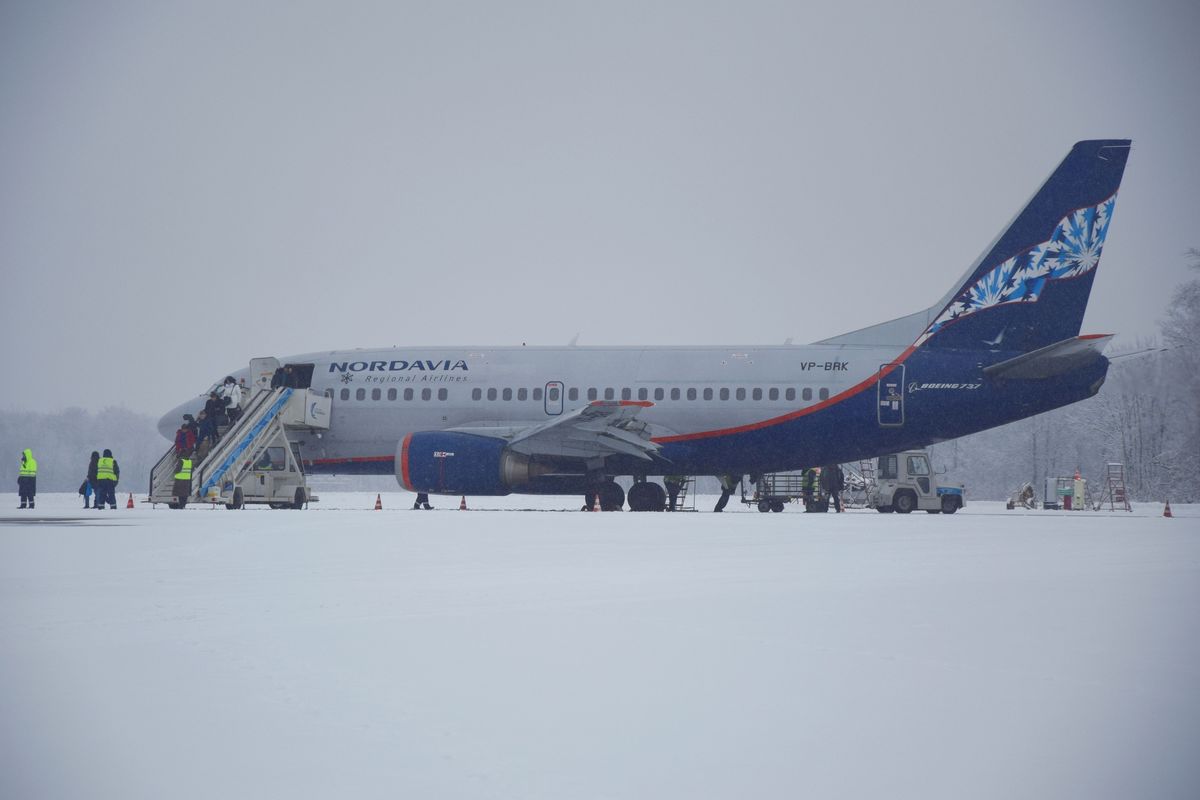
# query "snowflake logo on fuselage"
(347, 377)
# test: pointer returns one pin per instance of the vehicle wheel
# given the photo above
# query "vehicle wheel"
(301, 498)
(764, 506)
(884, 509)
(612, 496)
(238, 502)
(905, 502)
(777, 506)
(950, 504)
(646, 496)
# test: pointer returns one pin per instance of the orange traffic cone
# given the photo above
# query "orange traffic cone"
(1167, 510)
(462, 504)
(130, 503)
(596, 502)
(378, 503)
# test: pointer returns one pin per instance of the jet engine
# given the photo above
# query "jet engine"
(445, 462)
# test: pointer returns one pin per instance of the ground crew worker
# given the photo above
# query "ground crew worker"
(27, 479)
(183, 481)
(728, 482)
(422, 501)
(674, 484)
(833, 481)
(809, 488)
(108, 473)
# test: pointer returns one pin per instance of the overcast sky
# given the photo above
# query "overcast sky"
(184, 186)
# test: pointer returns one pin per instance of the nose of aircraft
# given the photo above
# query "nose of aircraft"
(171, 421)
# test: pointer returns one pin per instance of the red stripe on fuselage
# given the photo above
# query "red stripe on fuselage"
(766, 423)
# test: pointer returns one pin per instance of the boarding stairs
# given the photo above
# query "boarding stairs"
(257, 460)
(1114, 490)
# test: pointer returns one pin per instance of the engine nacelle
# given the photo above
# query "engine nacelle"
(459, 463)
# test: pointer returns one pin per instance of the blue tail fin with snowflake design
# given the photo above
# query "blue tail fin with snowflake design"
(1030, 289)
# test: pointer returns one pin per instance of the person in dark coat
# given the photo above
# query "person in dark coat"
(833, 481)
(93, 479)
(422, 501)
(214, 407)
(673, 484)
(208, 435)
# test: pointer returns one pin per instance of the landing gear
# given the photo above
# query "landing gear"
(612, 496)
(646, 496)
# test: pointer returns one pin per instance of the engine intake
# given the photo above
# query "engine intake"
(459, 463)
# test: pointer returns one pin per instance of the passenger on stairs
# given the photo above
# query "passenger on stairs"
(215, 408)
(233, 399)
(207, 437)
(185, 440)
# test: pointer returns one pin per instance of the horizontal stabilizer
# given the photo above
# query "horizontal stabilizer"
(1056, 359)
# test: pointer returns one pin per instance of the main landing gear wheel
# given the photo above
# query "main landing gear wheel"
(645, 496)
(612, 497)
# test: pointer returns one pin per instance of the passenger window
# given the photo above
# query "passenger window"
(443, 394)
(887, 467)
(506, 394)
(772, 394)
(824, 394)
(708, 393)
(537, 395)
(758, 394)
(573, 394)
(917, 465)
(426, 394)
(391, 394)
(408, 394)
(627, 393)
(691, 395)
(790, 394)
(522, 394)
(345, 394)
(552, 394)
(477, 394)
(376, 394)
(643, 394)
(610, 393)
(740, 394)
(807, 393)
(674, 394)
(492, 394)
(361, 394)
(659, 394)
(725, 393)
(592, 393)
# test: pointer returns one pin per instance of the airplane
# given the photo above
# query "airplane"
(1001, 345)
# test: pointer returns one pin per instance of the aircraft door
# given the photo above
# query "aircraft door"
(261, 371)
(554, 398)
(890, 395)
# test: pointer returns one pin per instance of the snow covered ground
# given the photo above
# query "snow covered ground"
(344, 652)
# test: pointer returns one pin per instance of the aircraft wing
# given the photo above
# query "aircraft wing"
(601, 428)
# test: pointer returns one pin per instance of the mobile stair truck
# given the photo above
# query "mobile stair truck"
(905, 483)
(257, 460)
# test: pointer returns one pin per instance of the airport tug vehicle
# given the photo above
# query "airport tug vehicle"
(905, 483)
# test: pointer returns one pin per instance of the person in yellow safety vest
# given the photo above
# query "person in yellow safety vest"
(809, 487)
(183, 482)
(27, 479)
(108, 473)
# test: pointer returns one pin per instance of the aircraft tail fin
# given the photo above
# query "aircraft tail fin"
(1030, 287)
